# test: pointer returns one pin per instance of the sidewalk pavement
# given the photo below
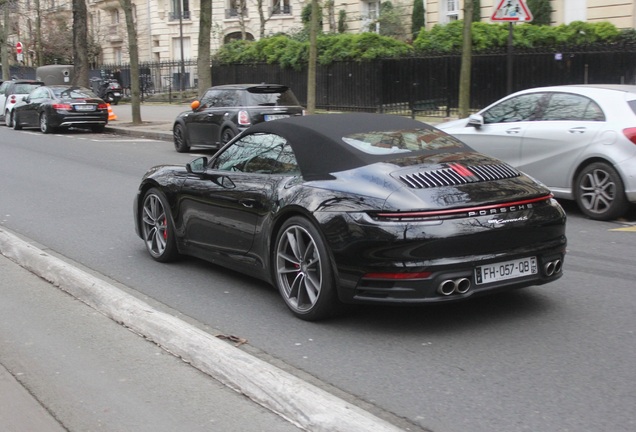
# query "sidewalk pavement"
(157, 120)
(66, 367)
(87, 369)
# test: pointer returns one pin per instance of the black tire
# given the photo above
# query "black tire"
(226, 136)
(16, 123)
(179, 136)
(44, 124)
(303, 271)
(600, 193)
(157, 228)
(8, 119)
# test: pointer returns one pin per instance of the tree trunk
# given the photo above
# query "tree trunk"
(80, 43)
(133, 50)
(203, 60)
(464, 77)
(4, 50)
(313, 56)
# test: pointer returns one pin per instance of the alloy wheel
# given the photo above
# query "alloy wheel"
(155, 225)
(298, 267)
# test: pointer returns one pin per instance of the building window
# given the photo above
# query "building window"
(117, 55)
(449, 11)
(373, 13)
(235, 9)
(114, 16)
(281, 7)
(182, 6)
(572, 11)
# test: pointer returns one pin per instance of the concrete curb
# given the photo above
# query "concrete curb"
(140, 133)
(301, 403)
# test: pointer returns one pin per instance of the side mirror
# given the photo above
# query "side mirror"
(194, 105)
(476, 120)
(197, 166)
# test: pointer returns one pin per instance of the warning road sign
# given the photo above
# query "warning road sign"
(511, 11)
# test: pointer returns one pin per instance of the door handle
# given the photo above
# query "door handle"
(513, 131)
(577, 130)
(248, 203)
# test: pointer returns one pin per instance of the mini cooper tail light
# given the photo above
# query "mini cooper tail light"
(13, 99)
(630, 133)
(243, 118)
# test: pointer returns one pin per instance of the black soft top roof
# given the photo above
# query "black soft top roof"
(317, 139)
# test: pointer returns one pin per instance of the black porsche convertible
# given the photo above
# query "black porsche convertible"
(355, 208)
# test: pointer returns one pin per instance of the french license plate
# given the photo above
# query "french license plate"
(269, 117)
(84, 107)
(506, 270)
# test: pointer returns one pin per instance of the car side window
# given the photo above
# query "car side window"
(220, 98)
(566, 106)
(259, 153)
(521, 108)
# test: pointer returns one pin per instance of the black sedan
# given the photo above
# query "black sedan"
(60, 106)
(355, 208)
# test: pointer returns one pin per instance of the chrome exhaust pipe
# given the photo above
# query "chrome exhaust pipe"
(446, 288)
(558, 266)
(462, 285)
(549, 268)
(450, 286)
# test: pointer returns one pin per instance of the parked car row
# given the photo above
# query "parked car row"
(54, 107)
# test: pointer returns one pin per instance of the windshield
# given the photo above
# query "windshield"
(267, 97)
(73, 92)
(401, 141)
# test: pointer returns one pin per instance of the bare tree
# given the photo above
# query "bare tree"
(80, 43)
(133, 52)
(203, 59)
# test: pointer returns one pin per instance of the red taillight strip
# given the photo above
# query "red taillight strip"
(463, 210)
(397, 276)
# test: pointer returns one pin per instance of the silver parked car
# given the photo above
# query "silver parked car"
(580, 140)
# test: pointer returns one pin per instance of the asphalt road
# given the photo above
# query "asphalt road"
(552, 358)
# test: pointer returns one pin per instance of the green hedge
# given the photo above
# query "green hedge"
(293, 52)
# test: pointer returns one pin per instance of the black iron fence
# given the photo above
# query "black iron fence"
(430, 86)
(407, 86)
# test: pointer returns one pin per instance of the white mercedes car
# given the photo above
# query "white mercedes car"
(579, 140)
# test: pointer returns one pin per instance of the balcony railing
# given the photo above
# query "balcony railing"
(174, 16)
(281, 10)
(234, 13)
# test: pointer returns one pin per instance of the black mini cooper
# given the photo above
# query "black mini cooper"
(225, 111)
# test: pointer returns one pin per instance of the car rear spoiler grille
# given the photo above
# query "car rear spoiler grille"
(456, 174)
